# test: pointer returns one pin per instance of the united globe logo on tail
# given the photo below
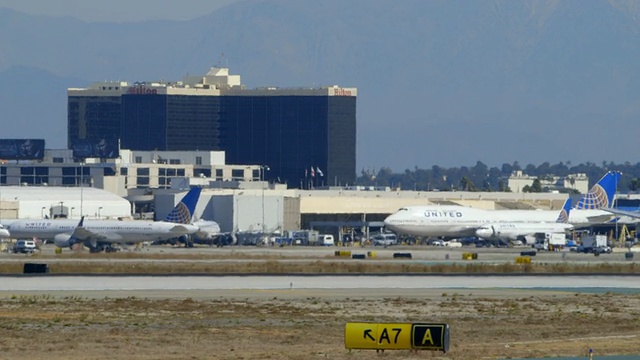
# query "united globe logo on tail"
(183, 212)
(601, 194)
(179, 215)
(563, 216)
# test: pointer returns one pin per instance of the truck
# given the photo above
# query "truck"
(305, 237)
(593, 244)
(551, 242)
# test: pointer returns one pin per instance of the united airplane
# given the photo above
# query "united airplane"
(99, 235)
(461, 221)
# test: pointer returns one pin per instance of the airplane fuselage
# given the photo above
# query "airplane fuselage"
(114, 230)
(464, 221)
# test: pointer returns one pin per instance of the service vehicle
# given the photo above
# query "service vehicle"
(25, 247)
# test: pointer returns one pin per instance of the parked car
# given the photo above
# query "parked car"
(25, 247)
(437, 243)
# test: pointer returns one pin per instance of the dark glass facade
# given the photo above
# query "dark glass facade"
(144, 122)
(289, 134)
(93, 118)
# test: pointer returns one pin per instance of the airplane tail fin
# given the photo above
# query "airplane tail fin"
(183, 212)
(601, 194)
(563, 216)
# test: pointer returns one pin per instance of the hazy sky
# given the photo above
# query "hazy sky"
(118, 10)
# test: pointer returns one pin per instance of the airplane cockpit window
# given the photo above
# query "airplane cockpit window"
(403, 209)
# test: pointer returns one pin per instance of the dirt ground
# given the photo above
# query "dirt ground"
(279, 327)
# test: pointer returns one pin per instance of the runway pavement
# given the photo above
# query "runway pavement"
(308, 285)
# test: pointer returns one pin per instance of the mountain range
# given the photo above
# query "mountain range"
(439, 82)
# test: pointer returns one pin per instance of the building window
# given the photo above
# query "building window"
(27, 170)
(138, 159)
(174, 161)
(237, 174)
(142, 171)
(219, 173)
(124, 171)
(58, 160)
(143, 181)
(180, 172)
(198, 160)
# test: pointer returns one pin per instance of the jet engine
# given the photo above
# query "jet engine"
(64, 240)
(487, 232)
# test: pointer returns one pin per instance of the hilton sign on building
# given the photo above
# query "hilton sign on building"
(288, 130)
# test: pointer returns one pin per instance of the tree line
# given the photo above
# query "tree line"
(484, 178)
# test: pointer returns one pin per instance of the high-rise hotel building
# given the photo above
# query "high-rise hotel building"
(293, 132)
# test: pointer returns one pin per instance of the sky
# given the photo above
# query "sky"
(118, 10)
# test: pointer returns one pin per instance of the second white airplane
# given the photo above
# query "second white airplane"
(461, 221)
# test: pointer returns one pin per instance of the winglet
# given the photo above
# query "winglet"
(183, 212)
(601, 194)
(563, 216)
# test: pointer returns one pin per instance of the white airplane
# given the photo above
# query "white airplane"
(100, 235)
(207, 230)
(4, 233)
(526, 231)
(461, 221)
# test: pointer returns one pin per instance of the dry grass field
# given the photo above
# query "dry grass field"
(302, 324)
(47, 327)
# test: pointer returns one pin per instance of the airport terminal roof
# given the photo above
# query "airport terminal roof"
(55, 193)
(37, 202)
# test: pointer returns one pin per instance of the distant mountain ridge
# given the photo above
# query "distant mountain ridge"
(443, 83)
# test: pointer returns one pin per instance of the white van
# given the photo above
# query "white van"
(385, 239)
(325, 240)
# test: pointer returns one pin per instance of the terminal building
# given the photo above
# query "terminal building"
(131, 171)
(288, 131)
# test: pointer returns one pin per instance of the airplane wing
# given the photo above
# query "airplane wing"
(182, 230)
(633, 214)
(84, 234)
(81, 233)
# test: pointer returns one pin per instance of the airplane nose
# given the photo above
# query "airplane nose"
(4, 233)
(389, 221)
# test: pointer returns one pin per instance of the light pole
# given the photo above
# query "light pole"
(262, 170)
(81, 186)
(100, 208)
